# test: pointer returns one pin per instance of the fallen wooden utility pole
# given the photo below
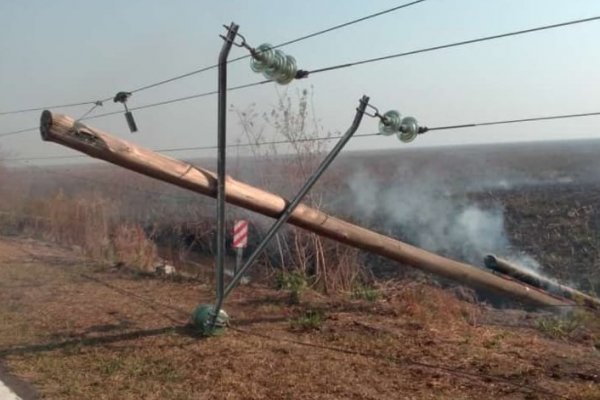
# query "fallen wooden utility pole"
(64, 130)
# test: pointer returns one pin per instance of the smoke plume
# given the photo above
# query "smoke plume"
(429, 212)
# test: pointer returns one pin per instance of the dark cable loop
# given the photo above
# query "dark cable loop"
(373, 114)
(376, 114)
(243, 43)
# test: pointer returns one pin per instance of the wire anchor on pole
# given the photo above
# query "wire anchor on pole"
(391, 122)
(122, 98)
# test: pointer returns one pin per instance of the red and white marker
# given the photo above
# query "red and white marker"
(240, 241)
(240, 234)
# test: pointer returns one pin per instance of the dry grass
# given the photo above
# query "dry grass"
(133, 248)
(84, 221)
(87, 223)
(83, 332)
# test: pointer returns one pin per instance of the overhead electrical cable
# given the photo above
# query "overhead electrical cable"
(204, 69)
(332, 137)
(341, 66)
(450, 45)
(26, 110)
(299, 39)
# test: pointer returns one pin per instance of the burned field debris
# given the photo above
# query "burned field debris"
(400, 330)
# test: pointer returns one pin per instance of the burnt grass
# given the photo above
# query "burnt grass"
(560, 224)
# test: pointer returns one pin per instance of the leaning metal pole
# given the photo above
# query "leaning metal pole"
(221, 156)
(285, 215)
(66, 131)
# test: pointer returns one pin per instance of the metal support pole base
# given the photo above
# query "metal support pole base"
(202, 320)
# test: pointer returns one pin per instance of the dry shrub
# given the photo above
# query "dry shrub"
(329, 266)
(14, 216)
(134, 249)
(88, 223)
(12, 189)
(189, 245)
(332, 267)
(83, 222)
(16, 223)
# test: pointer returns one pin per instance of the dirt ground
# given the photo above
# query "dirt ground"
(77, 330)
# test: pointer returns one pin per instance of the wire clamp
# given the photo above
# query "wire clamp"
(374, 113)
(122, 98)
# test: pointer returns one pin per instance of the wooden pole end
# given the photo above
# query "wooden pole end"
(45, 124)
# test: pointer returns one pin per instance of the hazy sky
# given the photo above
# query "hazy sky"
(61, 51)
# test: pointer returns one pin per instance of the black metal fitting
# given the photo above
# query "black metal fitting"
(122, 98)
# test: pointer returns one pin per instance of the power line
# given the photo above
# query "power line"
(514, 121)
(273, 142)
(204, 69)
(341, 66)
(208, 147)
(26, 110)
(347, 65)
(92, 181)
(151, 105)
(178, 99)
(456, 44)
(332, 137)
(17, 132)
(311, 35)
(42, 158)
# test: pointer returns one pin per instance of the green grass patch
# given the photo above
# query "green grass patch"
(561, 327)
(367, 293)
(293, 282)
(309, 321)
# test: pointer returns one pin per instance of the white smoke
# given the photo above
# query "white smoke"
(526, 263)
(430, 213)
